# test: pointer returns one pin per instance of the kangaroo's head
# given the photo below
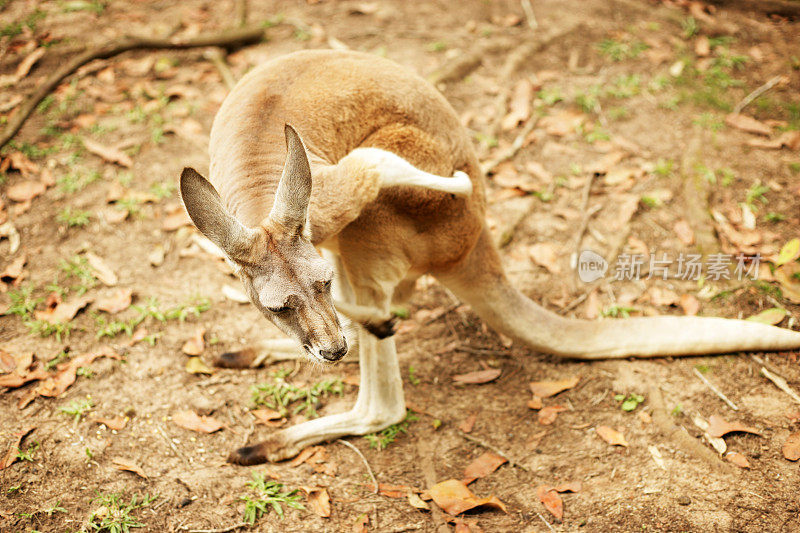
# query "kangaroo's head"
(282, 272)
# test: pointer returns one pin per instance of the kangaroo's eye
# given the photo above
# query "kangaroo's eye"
(322, 286)
(279, 310)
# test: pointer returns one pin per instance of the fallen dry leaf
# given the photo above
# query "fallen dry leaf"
(769, 316)
(519, 106)
(129, 466)
(13, 270)
(8, 363)
(114, 215)
(196, 344)
(702, 47)
(53, 386)
(9, 231)
(454, 498)
(479, 376)
(305, 455)
(268, 417)
(606, 162)
(25, 191)
(661, 296)
(718, 426)
(391, 491)
(21, 162)
(748, 124)
(791, 448)
(63, 312)
(789, 139)
(551, 501)
(546, 254)
(117, 302)
(176, 220)
(611, 436)
(548, 415)
(26, 64)
(689, 304)
(621, 208)
(117, 423)
(195, 365)
(535, 403)
(563, 122)
(194, 422)
(11, 454)
(361, 523)
(101, 270)
(482, 466)
(15, 380)
(569, 486)
(467, 526)
(468, 423)
(110, 154)
(684, 232)
(319, 502)
(592, 307)
(789, 252)
(418, 503)
(787, 276)
(545, 389)
(738, 459)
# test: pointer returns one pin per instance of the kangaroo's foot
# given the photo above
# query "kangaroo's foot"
(265, 351)
(287, 443)
(380, 404)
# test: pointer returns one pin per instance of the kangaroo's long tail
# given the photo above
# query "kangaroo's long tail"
(481, 282)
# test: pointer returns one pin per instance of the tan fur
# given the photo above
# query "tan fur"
(385, 237)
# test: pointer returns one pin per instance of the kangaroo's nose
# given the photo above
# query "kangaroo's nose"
(335, 355)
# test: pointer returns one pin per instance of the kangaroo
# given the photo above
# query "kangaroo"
(381, 177)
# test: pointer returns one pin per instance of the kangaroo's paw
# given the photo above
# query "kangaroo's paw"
(273, 449)
(287, 443)
(382, 328)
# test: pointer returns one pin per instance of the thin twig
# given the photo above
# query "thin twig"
(221, 530)
(715, 390)
(780, 383)
(587, 215)
(515, 147)
(495, 449)
(678, 435)
(575, 303)
(217, 58)
(772, 82)
(546, 522)
(364, 459)
(226, 39)
(169, 441)
(529, 15)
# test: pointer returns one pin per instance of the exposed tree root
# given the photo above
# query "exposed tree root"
(226, 39)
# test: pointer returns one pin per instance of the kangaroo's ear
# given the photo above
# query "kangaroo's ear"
(205, 208)
(290, 208)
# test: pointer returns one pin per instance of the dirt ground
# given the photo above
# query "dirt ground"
(631, 101)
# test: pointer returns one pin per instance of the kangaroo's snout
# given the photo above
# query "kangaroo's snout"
(336, 353)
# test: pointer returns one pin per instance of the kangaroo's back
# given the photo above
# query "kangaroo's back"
(338, 101)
